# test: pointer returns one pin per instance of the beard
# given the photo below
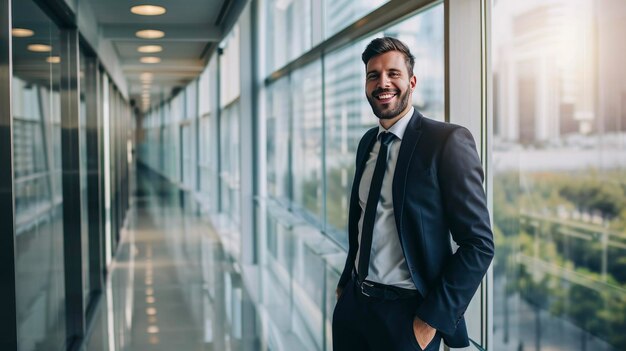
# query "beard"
(390, 111)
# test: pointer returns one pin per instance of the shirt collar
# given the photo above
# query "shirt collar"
(399, 127)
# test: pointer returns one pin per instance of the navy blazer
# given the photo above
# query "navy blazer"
(437, 191)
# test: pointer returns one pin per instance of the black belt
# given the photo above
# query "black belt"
(382, 291)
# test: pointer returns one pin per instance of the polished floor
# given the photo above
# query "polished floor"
(171, 285)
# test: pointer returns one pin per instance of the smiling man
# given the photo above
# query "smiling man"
(416, 182)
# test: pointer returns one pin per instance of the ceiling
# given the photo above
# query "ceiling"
(192, 30)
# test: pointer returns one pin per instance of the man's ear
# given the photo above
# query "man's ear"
(413, 82)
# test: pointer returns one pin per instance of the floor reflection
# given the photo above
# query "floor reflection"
(172, 287)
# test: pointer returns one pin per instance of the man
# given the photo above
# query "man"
(416, 181)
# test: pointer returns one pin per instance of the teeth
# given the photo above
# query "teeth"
(385, 96)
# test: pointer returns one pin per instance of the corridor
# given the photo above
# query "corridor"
(171, 284)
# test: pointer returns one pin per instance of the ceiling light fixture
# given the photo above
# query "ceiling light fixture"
(53, 59)
(146, 76)
(150, 59)
(39, 48)
(148, 10)
(150, 49)
(150, 34)
(153, 329)
(22, 32)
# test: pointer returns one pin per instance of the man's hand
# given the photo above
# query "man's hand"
(424, 333)
(338, 292)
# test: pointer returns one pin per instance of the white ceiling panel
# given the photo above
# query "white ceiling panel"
(190, 28)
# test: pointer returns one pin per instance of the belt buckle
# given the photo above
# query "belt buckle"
(367, 284)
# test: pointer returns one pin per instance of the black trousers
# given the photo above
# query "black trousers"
(367, 323)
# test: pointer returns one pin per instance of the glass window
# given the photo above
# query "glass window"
(230, 68)
(423, 34)
(37, 172)
(187, 155)
(204, 105)
(307, 140)
(348, 114)
(191, 97)
(277, 131)
(206, 171)
(289, 29)
(559, 175)
(339, 14)
(229, 176)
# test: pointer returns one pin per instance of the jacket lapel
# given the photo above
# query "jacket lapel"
(407, 148)
(362, 157)
(355, 211)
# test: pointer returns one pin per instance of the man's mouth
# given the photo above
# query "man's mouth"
(386, 97)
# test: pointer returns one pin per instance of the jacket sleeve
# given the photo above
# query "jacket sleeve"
(460, 177)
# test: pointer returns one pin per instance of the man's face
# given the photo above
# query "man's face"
(388, 84)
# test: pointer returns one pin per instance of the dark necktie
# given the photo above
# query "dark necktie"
(372, 203)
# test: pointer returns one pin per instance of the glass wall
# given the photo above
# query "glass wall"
(289, 31)
(307, 141)
(229, 131)
(559, 175)
(38, 193)
(314, 117)
(277, 136)
(348, 116)
(338, 14)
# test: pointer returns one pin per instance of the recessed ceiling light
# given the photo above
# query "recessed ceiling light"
(22, 32)
(148, 10)
(146, 75)
(150, 59)
(150, 34)
(53, 59)
(39, 48)
(150, 49)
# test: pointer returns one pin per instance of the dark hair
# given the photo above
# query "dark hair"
(382, 45)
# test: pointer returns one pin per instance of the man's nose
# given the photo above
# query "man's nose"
(384, 81)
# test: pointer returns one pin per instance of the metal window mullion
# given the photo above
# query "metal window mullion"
(197, 136)
(467, 95)
(8, 298)
(247, 131)
(72, 246)
(94, 202)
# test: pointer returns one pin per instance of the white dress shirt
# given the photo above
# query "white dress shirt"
(387, 264)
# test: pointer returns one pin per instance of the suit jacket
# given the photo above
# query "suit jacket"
(437, 191)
